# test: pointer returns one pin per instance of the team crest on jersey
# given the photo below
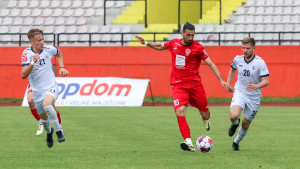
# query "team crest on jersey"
(24, 57)
(176, 102)
(187, 51)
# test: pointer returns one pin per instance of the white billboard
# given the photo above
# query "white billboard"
(95, 91)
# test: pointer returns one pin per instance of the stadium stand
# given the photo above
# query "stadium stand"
(75, 21)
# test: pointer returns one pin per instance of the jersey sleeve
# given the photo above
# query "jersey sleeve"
(264, 72)
(233, 64)
(168, 44)
(53, 50)
(203, 53)
(25, 59)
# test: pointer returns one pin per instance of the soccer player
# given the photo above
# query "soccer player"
(185, 79)
(36, 64)
(253, 75)
(35, 113)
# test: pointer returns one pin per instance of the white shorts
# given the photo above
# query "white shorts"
(250, 106)
(39, 96)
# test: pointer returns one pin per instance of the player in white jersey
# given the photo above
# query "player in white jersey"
(36, 63)
(253, 75)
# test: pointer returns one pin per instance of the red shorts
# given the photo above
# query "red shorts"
(193, 94)
(29, 88)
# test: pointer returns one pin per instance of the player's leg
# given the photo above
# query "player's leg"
(58, 117)
(235, 112)
(184, 128)
(250, 111)
(48, 107)
(180, 100)
(198, 100)
(34, 112)
(241, 134)
(236, 107)
(45, 121)
(47, 127)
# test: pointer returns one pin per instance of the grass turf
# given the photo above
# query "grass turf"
(148, 137)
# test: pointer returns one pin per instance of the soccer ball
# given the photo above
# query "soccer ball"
(204, 143)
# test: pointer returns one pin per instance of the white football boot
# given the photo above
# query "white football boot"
(40, 130)
(206, 124)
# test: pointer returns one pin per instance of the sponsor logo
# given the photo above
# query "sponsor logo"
(240, 65)
(102, 89)
(180, 62)
(24, 57)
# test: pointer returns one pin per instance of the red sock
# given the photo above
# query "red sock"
(183, 127)
(35, 114)
(58, 116)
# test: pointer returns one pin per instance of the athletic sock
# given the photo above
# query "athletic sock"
(40, 122)
(35, 114)
(46, 125)
(52, 117)
(183, 127)
(58, 116)
(241, 134)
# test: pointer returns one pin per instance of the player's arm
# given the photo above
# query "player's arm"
(231, 74)
(263, 83)
(26, 70)
(216, 71)
(154, 45)
(60, 59)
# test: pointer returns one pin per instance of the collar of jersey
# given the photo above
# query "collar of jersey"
(35, 52)
(250, 60)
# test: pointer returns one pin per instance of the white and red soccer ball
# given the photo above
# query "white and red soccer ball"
(204, 143)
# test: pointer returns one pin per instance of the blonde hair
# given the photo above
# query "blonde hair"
(34, 32)
(249, 40)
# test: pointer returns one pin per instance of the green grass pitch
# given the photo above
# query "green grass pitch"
(148, 138)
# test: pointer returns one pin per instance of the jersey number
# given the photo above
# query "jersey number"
(42, 61)
(246, 72)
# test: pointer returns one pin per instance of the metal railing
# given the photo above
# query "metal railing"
(217, 37)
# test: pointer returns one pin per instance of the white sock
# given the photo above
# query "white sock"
(52, 117)
(188, 140)
(241, 134)
(236, 122)
(46, 125)
(40, 122)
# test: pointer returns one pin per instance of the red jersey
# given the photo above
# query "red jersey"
(186, 60)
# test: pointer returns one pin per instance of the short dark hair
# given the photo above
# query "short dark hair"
(188, 26)
(33, 32)
(249, 40)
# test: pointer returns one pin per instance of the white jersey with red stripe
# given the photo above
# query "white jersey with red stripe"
(41, 76)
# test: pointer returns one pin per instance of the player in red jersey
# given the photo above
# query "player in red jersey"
(35, 113)
(185, 79)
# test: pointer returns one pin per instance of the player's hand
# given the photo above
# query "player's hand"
(141, 39)
(226, 86)
(229, 89)
(251, 86)
(63, 72)
(36, 57)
